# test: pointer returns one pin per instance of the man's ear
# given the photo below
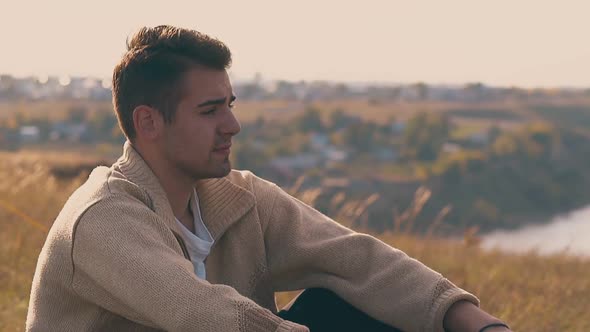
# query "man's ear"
(148, 122)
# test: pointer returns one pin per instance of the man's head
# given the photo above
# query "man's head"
(173, 99)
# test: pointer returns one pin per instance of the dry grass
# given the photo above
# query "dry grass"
(532, 293)
(30, 198)
(52, 109)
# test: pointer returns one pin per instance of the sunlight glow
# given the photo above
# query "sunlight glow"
(525, 43)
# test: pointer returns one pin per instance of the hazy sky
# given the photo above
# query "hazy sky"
(499, 42)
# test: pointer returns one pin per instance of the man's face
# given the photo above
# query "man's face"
(197, 142)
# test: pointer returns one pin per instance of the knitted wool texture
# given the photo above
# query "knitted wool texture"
(112, 262)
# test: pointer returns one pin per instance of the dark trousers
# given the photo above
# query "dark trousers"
(323, 311)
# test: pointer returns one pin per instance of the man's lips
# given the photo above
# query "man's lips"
(222, 148)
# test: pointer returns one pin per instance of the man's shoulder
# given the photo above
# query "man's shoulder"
(249, 181)
(105, 182)
(264, 191)
(102, 192)
(104, 186)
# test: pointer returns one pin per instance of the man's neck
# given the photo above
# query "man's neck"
(178, 188)
(179, 192)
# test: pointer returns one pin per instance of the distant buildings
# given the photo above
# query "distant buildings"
(29, 134)
(72, 132)
(52, 87)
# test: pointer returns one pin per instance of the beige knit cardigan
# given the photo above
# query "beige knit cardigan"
(113, 261)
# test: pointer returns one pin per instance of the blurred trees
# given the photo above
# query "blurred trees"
(538, 139)
(310, 121)
(537, 166)
(425, 136)
(77, 114)
(421, 90)
(103, 125)
(360, 136)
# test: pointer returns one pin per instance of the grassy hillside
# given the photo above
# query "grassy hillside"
(531, 293)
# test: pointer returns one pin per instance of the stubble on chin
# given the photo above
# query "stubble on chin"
(226, 166)
(222, 169)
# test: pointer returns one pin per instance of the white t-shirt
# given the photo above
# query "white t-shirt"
(198, 244)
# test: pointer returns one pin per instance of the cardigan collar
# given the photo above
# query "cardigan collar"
(221, 201)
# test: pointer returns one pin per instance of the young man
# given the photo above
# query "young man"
(170, 238)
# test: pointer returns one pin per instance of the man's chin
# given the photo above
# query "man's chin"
(222, 171)
(225, 173)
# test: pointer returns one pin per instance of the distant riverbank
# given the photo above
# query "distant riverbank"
(568, 233)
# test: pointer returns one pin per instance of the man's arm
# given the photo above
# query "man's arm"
(307, 249)
(124, 262)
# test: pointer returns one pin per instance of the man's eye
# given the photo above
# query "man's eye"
(231, 105)
(211, 111)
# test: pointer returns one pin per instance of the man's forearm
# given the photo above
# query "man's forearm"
(464, 316)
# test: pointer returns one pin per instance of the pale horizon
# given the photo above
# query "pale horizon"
(502, 43)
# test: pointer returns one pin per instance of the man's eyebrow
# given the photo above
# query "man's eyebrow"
(219, 101)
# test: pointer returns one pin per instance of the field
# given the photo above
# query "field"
(531, 293)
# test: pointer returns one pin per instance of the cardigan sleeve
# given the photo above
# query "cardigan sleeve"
(124, 262)
(307, 249)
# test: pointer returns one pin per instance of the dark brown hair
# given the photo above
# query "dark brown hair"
(152, 70)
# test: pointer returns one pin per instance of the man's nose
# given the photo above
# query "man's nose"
(231, 125)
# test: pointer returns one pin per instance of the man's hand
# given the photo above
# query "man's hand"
(464, 316)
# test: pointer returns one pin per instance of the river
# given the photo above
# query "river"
(568, 233)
